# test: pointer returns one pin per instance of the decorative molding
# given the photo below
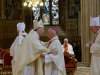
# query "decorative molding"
(8, 32)
(72, 27)
(73, 8)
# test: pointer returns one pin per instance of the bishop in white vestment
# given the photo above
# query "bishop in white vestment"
(54, 63)
(15, 47)
(95, 47)
(31, 51)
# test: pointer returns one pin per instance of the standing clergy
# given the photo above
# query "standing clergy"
(54, 64)
(31, 52)
(16, 44)
(95, 46)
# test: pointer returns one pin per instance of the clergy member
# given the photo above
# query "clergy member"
(54, 64)
(16, 44)
(31, 51)
(95, 46)
(67, 48)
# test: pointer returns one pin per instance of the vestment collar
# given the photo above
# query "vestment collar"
(54, 38)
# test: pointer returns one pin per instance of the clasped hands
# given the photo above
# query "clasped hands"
(89, 44)
(52, 51)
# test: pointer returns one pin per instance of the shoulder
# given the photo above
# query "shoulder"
(16, 38)
(56, 42)
(98, 37)
(69, 45)
(98, 34)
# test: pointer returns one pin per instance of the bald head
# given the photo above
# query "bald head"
(65, 41)
(51, 33)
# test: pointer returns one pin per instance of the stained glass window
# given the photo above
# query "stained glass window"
(49, 12)
(55, 12)
(36, 13)
(46, 12)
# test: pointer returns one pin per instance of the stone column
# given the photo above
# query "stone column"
(94, 7)
(3, 15)
(85, 30)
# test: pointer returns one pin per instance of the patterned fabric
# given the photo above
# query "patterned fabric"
(66, 48)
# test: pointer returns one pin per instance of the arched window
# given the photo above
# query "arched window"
(49, 12)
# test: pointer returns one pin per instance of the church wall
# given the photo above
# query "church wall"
(11, 13)
(70, 23)
(72, 26)
(68, 26)
(8, 32)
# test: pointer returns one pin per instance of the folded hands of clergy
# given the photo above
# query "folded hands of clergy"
(89, 44)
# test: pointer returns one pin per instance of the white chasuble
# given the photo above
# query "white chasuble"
(57, 66)
(30, 55)
(95, 59)
(15, 47)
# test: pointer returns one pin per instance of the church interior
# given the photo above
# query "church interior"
(70, 17)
